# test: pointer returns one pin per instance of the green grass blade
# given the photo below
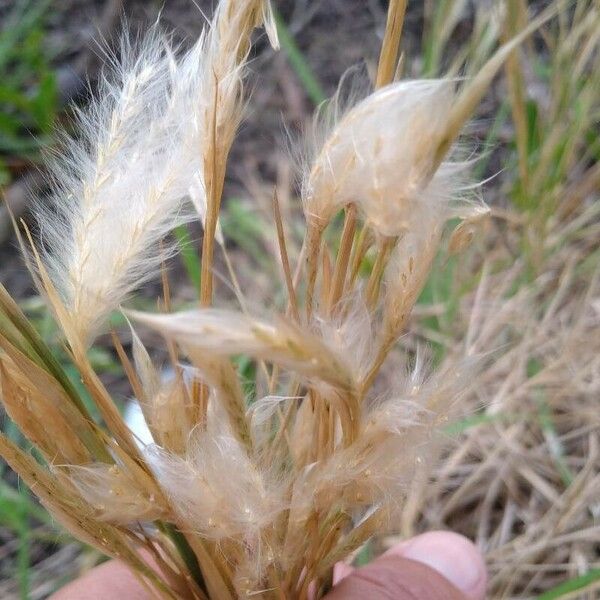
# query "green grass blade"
(12, 501)
(23, 551)
(490, 140)
(572, 585)
(23, 17)
(189, 255)
(298, 62)
(365, 555)
(553, 442)
(246, 228)
(462, 425)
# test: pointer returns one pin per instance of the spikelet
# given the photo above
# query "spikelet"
(216, 489)
(349, 332)
(227, 333)
(167, 416)
(464, 233)
(319, 208)
(220, 111)
(407, 271)
(399, 435)
(24, 403)
(379, 157)
(120, 188)
(163, 400)
(144, 367)
(260, 415)
(116, 495)
(218, 372)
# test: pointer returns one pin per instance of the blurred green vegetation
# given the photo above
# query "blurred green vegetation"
(28, 109)
(28, 92)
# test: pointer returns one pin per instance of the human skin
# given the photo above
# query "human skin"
(433, 566)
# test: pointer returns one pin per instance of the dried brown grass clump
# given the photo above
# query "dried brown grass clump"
(235, 497)
(524, 481)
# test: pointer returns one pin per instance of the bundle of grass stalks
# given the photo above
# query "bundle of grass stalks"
(242, 496)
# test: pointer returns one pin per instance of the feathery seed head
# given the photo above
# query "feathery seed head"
(120, 188)
(380, 156)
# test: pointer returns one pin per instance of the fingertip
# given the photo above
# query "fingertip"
(452, 555)
(395, 578)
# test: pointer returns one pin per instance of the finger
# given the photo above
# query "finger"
(340, 571)
(436, 565)
(112, 579)
(452, 555)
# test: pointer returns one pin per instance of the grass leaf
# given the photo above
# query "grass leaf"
(572, 585)
(298, 62)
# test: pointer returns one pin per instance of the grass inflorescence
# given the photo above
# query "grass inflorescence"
(259, 490)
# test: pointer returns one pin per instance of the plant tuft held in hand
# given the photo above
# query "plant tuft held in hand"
(241, 497)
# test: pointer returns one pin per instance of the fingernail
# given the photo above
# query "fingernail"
(452, 555)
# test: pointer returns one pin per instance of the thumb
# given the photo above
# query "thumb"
(433, 566)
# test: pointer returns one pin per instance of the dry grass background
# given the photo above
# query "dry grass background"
(523, 475)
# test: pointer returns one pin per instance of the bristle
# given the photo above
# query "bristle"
(270, 24)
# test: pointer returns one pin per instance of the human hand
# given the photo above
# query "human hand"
(432, 566)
